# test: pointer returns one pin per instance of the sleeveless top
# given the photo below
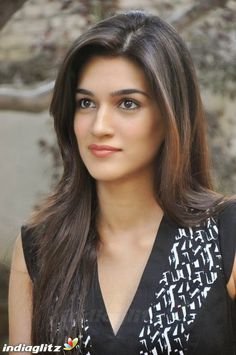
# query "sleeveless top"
(181, 305)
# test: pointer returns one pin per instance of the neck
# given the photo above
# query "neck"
(127, 206)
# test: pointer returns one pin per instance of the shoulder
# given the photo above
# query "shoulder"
(19, 297)
(227, 240)
(227, 225)
(228, 210)
(24, 255)
(18, 258)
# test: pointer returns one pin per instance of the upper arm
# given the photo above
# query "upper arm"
(227, 234)
(231, 286)
(19, 298)
(234, 276)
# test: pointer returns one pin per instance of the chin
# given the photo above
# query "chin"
(105, 174)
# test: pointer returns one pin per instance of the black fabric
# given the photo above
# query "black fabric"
(181, 305)
(30, 251)
(227, 236)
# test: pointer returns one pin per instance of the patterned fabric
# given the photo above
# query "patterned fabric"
(86, 339)
(181, 296)
(194, 264)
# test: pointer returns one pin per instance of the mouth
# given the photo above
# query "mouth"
(102, 151)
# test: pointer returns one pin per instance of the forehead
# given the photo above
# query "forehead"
(116, 72)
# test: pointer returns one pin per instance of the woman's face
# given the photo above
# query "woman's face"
(118, 126)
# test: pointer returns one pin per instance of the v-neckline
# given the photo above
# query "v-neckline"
(146, 270)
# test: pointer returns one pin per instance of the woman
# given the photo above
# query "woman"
(134, 251)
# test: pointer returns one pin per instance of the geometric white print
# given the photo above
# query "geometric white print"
(86, 339)
(194, 264)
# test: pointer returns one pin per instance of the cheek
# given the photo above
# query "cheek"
(80, 128)
(149, 133)
(157, 131)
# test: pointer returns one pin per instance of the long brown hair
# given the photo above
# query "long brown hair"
(64, 228)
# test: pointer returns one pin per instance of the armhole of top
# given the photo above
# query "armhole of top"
(227, 238)
(26, 238)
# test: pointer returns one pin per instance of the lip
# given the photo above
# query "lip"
(102, 151)
(103, 147)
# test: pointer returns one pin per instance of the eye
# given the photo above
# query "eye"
(85, 103)
(129, 104)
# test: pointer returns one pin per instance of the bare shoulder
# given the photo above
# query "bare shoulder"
(19, 298)
(229, 213)
(231, 285)
(18, 259)
(234, 276)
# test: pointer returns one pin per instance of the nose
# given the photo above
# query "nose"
(102, 124)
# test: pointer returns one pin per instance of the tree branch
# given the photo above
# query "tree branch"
(31, 100)
(8, 8)
(38, 99)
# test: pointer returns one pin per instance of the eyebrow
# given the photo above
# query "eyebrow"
(114, 93)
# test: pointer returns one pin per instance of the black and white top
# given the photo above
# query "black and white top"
(181, 305)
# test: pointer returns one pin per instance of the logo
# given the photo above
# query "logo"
(71, 344)
(38, 349)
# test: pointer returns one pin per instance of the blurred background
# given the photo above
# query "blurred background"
(34, 36)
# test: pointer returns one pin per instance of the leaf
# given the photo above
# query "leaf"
(67, 346)
(75, 341)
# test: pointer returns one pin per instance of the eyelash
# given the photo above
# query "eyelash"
(78, 104)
